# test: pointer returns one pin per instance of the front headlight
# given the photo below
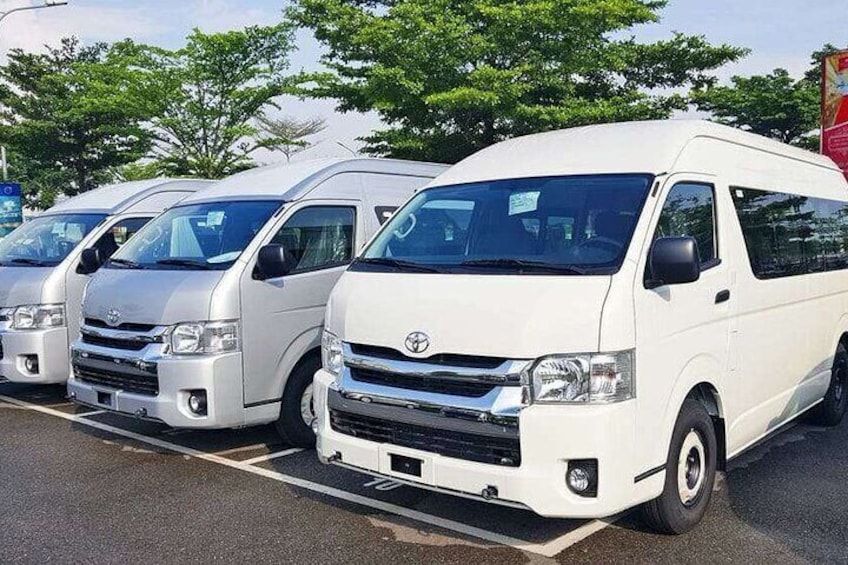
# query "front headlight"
(38, 317)
(591, 378)
(209, 338)
(332, 358)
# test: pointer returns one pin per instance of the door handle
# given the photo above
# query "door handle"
(722, 296)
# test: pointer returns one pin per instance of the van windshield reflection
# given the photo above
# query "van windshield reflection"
(205, 237)
(574, 225)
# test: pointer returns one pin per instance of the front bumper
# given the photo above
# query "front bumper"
(550, 436)
(220, 376)
(49, 346)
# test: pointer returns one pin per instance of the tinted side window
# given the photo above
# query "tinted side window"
(787, 234)
(689, 211)
(319, 237)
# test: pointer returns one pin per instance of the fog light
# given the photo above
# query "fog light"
(31, 364)
(197, 402)
(582, 477)
(314, 425)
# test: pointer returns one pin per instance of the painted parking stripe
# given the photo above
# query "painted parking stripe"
(240, 449)
(93, 413)
(548, 549)
(270, 456)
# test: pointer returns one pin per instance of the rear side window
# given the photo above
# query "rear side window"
(689, 211)
(788, 235)
(319, 237)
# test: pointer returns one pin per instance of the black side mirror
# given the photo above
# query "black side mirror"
(91, 260)
(273, 262)
(674, 260)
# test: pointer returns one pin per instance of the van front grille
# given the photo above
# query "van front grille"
(126, 326)
(139, 384)
(505, 452)
(437, 385)
(447, 359)
(124, 344)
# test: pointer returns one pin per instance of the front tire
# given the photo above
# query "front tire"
(831, 409)
(689, 473)
(297, 412)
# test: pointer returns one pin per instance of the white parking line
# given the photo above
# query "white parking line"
(253, 447)
(270, 456)
(549, 549)
(93, 413)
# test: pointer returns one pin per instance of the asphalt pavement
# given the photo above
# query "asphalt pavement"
(80, 485)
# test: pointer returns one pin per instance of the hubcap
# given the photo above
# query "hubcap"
(690, 468)
(307, 412)
(839, 381)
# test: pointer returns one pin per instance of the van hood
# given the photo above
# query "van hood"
(151, 296)
(514, 316)
(22, 285)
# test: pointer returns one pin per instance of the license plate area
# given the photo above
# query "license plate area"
(405, 465)
(104, 399)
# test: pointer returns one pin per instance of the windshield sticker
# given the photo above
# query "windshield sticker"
(214, 219)
(522, 202)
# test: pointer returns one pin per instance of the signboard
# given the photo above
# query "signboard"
(11, 211)
(835, 109)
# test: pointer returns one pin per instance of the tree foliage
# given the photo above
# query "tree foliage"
(204, 96)
(287, 134)
(775, 105)
(450, 77)
(67, 119)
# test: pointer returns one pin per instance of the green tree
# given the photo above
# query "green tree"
(204, 96)
(775, 105)
(288, 134)
(450, 77)
(67, 119)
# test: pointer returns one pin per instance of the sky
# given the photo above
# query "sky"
(780, 33)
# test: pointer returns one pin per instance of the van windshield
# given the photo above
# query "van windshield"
(46, 241)
(196, 237)
(571, 225)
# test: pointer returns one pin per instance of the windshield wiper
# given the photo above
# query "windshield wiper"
(126, 263)
(522, 265)
(185, 263)
(27, 261)
(398, 264)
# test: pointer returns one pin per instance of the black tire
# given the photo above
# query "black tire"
(669, 514)
(830, 411)
(292, 425)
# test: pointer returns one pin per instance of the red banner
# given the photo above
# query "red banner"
(835, 109)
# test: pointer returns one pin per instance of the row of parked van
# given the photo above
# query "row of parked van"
(574, 322)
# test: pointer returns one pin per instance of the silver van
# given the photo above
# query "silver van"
(43, 275)
(212, 316)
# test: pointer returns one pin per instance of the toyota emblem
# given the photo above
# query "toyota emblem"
(113, 317)
(417, 342)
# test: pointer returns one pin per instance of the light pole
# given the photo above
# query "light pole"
(44, 4)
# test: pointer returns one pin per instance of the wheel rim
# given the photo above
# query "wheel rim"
(307, 412)
(839, 380)
(691, 468)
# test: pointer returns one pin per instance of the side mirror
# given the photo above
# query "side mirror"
(90, 261)
(674, 260)
(273, 262)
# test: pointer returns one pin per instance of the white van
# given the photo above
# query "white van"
(43, 274)
(212, 316)
(581, 321)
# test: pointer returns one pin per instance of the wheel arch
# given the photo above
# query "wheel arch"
(301, 349)
(699, 381)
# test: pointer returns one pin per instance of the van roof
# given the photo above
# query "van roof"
(115, 198)
(625, 147)
(284, 181)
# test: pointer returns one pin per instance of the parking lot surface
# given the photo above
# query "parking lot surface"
(85, 485)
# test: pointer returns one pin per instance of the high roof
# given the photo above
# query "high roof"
(626, 147)
(284, 181)
(115, 198)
